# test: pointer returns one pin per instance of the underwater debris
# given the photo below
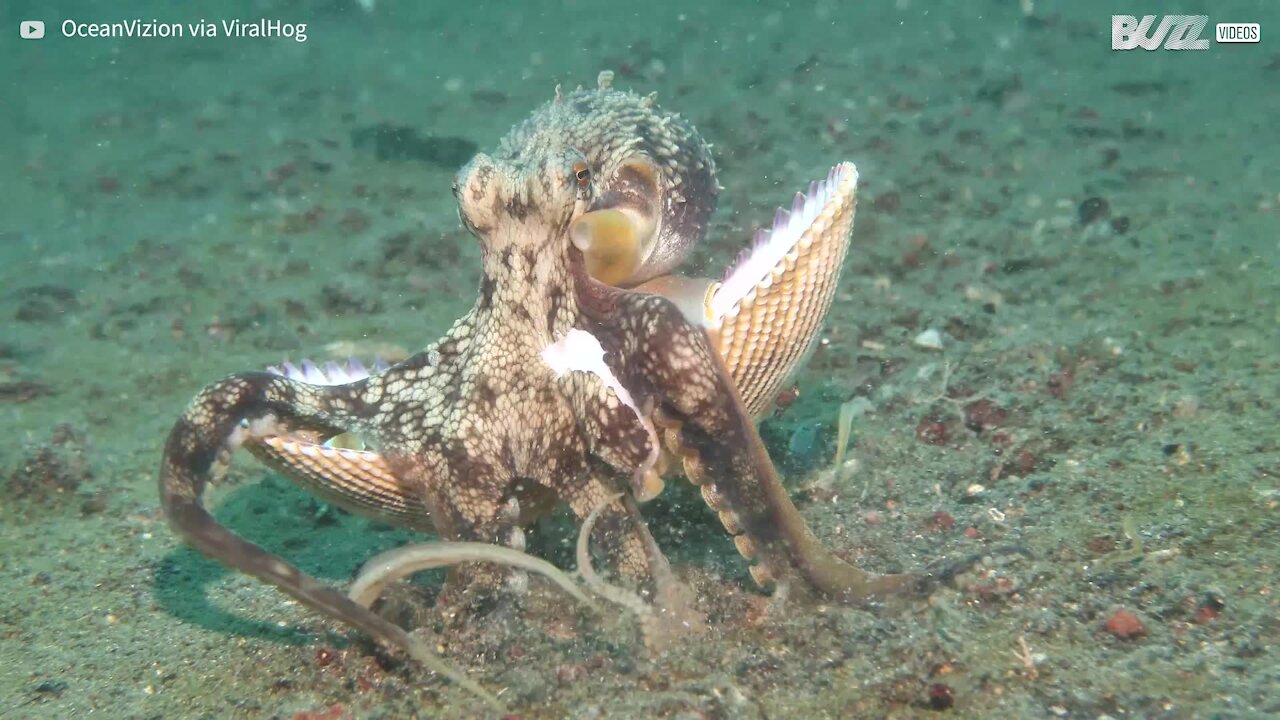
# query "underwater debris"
(957, 400)
(844, 427)
(51, 472)
(1135, 552)
(1026, 658)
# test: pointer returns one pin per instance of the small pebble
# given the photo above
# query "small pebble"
(1125, 625)
(941, 697)
(940, 521)
(930, 339)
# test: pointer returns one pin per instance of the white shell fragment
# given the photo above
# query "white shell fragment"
(930, 339)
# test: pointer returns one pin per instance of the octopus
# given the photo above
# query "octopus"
(585, 372)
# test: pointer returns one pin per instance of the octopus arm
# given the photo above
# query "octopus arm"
(708, 427)
(224, 416)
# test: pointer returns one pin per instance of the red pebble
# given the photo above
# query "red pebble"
(785, 398)
(1125, 625)
(983, 414)
(971, 532)
(1205, 614)
(940, 521)
(932, 431)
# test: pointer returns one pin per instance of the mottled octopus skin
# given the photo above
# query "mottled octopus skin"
(613, 129)
(479, 427)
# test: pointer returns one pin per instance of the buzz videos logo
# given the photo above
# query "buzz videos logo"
(31, 29)
(1176, 32)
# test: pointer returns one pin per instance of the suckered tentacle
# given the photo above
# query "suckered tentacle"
(199, 447)
(722, 452)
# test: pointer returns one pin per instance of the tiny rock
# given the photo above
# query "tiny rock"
(1125, 625)
(940, 521)
(930, 339)
(941, 697)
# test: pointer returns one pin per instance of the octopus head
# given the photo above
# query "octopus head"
(531, 200)
(651, 188)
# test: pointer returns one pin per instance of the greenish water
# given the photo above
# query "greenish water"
(1093, 234)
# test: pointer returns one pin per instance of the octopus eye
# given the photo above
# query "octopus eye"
(582, 173)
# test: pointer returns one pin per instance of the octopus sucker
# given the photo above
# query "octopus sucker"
(693, 468)
(763, 575)
(712, 496)
(651, 486)
(747, 547)
(729, 519)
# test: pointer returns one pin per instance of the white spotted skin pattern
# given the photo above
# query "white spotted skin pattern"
(478, 418)
(479, 413)
(472, 421)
